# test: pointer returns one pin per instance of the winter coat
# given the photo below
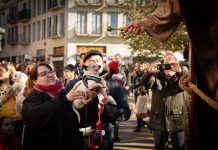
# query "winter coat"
(49, 123)
(111, 113)
(9, 142)
(167, 107)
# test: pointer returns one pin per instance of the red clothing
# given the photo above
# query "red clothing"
(9, 142)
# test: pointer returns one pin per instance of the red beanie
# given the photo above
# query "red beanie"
(113, 65)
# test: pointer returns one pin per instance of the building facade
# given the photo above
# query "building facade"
(59, 30)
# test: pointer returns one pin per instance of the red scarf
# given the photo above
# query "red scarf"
(51, 90)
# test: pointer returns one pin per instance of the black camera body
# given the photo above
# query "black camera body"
(164, 66)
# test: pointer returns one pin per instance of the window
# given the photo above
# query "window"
(62, 23)
(49, 27)
(125, 19)
(38, 7)
(8, 36)
(96, 23)
(112, 21)
(24, 38)
(113, 1)
(12, 35)
(29, 33)
(44, 4)
(16, 34)
(95, 1)
(38, 30)
(34, 8)
(81, 22)
(43, 29)
(34, 32)
(58, 51)
(55, 26)
(40, 53)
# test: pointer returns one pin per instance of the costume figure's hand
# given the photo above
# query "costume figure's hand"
(135, 27)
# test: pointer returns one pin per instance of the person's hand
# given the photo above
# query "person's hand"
(73, 94)
(176, 67)
(135, 27)
(153, 68)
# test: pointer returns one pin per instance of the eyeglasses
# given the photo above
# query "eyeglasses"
(47, 73)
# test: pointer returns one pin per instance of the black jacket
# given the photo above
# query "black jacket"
(111, 113)
(49, 124)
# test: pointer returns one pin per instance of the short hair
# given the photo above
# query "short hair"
(2, 119)
(81, 55)
(117, 55)
(169, 55)
(69, 67)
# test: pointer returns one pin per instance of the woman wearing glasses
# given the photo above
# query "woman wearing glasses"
(47, 112)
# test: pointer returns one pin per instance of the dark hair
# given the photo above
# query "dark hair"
(69, 67)
(81, 55)
(112, 72)
(34, 71)
(117, 55)
(2, 119)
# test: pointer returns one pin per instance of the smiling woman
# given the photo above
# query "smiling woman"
(47, 114)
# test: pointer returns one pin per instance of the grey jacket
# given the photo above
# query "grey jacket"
(167, 108)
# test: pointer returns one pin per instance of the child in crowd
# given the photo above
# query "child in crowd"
(7, 139)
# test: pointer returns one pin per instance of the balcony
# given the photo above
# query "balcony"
(82, 2)
(89, 2)
(113, 2)
(55, 4)
(12, 41)
(12, 18)
(24, 15)
(88, 32)
(24, 39)
(56, 32)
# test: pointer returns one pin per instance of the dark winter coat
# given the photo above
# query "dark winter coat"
(49, 124)
(111, 113)
(167, 107)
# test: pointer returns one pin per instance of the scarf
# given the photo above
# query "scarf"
(51, 90)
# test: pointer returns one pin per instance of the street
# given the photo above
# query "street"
(130, 140)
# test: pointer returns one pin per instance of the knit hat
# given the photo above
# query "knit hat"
(91, 53)
(113, 65)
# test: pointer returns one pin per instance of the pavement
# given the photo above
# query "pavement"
(130, 140)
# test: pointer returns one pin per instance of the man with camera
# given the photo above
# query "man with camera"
(167, 108)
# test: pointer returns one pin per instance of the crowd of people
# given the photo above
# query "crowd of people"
(40, 111)
(40, 105)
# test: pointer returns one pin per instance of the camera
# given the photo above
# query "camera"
(164, 66)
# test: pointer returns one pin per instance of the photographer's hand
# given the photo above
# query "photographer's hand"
(153, 68)
(176, 67)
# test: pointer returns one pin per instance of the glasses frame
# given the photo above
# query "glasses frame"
(46, 73)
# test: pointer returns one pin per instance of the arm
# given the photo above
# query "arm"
(160, 24)
(121, 110)
(40, 112)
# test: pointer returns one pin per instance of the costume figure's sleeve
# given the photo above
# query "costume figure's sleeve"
(162, 23)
